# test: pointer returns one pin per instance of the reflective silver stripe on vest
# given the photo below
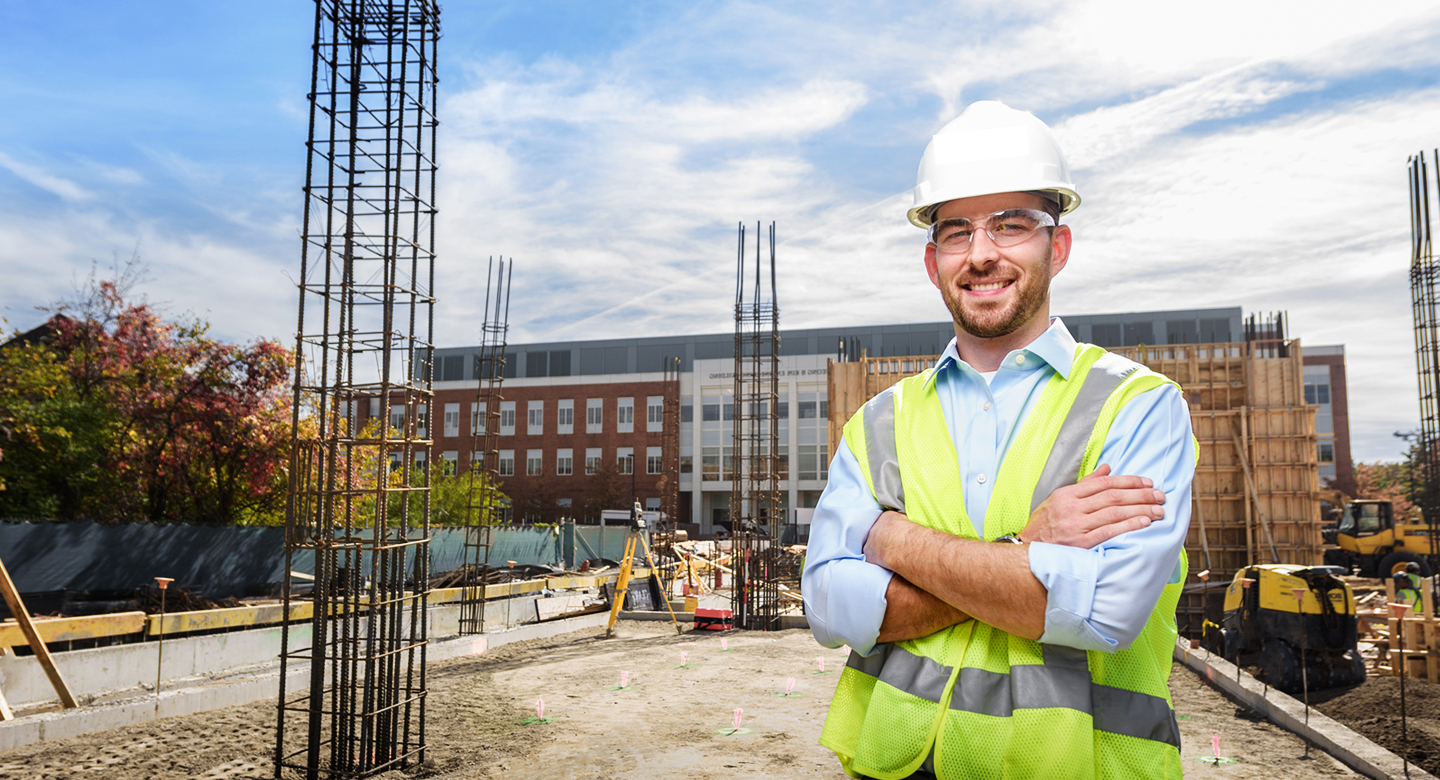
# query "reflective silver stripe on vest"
(899, 668)
(1063, 466)
(1062, 681)
(881, 451)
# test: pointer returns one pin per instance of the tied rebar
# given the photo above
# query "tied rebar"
(1423, 300)
(755, 509)
(483, 511)
(358, 513)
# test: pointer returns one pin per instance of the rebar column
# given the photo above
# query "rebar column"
(755, 514)
(358, 513)
(1423, 301)
(483, 509)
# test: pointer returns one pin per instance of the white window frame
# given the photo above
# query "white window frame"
(625, 459)
(452, 419)
(654, 460)
(507, 412)
(592, 459)
(477, 418)
(655, 414)
(565, 462)
(625, 415)
(450, 460)
(565, 416)
(397, 418)
(534, 463)
(506, 467)
(594, 415)
(535, 417)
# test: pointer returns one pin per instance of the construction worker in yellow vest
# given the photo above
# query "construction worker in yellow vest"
(1407, 585)
(1000, 542)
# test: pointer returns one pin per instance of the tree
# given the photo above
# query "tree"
(605, 489)
(127, 416)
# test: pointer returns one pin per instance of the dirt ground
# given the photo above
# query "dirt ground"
(672, 720)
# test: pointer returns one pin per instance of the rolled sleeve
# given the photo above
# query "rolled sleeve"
(1101, 598)
(844, 595)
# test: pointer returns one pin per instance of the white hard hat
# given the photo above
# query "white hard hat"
(988, 149)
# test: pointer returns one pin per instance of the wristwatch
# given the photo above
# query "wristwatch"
(1010, 539)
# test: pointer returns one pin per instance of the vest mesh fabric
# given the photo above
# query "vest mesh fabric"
(885, 732)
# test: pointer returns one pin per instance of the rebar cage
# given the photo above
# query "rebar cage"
(755, 507)
(1423, 301)
(358, 507)
(483, 508)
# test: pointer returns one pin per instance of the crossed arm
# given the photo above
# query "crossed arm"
(942, 579)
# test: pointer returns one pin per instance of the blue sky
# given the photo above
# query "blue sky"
(1229, 153)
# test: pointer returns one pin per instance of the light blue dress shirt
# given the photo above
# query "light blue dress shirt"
(1098, 599)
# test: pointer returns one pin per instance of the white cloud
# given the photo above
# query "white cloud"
(41, 178)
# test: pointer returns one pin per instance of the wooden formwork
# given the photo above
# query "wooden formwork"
(1254, 498)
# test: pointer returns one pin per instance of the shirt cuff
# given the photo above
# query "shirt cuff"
(1069, 575)
(855, 603)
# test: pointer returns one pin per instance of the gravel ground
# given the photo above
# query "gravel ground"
(673, 720)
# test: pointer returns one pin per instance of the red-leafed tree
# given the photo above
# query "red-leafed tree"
(190, 429)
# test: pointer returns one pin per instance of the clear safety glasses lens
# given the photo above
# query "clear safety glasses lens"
(1005, 228)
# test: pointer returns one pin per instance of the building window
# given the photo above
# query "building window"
(477, 418)
(1317, 394)
(710, 464)
(652, 504)
(507, 463)
(449, 460)
(507, 418)
(397, 418)
(654, 414)
(652, 460)
(374, 407)
(422, 421)
(687, 412)
(565, 462)
(594, 415)
(1327, 452)
(687, 464)
(564, 503)
(452, 419)
(625, 458)
(535, 418)
(565, 416)
(710, 412)
(625, 415)
(812, 452)
(477, 462)
(534, 463)
(592, 459)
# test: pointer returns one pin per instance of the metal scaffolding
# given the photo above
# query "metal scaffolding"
(483, 510)
(755, 513)
(1423, 300)
(359, 508)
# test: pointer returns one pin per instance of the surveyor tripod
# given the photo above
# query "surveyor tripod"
(637, 533)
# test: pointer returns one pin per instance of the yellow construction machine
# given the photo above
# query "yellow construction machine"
(1265, 626)
(1368, 538)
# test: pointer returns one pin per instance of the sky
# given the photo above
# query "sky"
(1227, 153)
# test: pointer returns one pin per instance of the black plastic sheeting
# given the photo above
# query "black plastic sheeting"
(215, 562)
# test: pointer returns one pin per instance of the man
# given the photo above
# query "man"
(1407, 585)
(1001, 539)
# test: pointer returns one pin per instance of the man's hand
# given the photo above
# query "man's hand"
(1094, 510)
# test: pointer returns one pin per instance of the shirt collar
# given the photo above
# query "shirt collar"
(1055, 347)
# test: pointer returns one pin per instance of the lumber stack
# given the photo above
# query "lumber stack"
(1417, 651)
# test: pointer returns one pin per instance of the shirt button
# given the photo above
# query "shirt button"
(981, 479)
(1019, 359)
(987, 406)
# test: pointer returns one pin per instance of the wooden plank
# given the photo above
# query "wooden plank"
(562, 606)
(42, 653)
(230, 617)
(5, 713)
(73, 628)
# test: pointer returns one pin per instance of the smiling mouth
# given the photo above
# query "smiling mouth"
(988, 286)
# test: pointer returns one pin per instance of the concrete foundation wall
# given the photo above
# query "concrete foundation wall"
(108, 673)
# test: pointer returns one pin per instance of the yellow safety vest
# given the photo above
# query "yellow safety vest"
(972, 701)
